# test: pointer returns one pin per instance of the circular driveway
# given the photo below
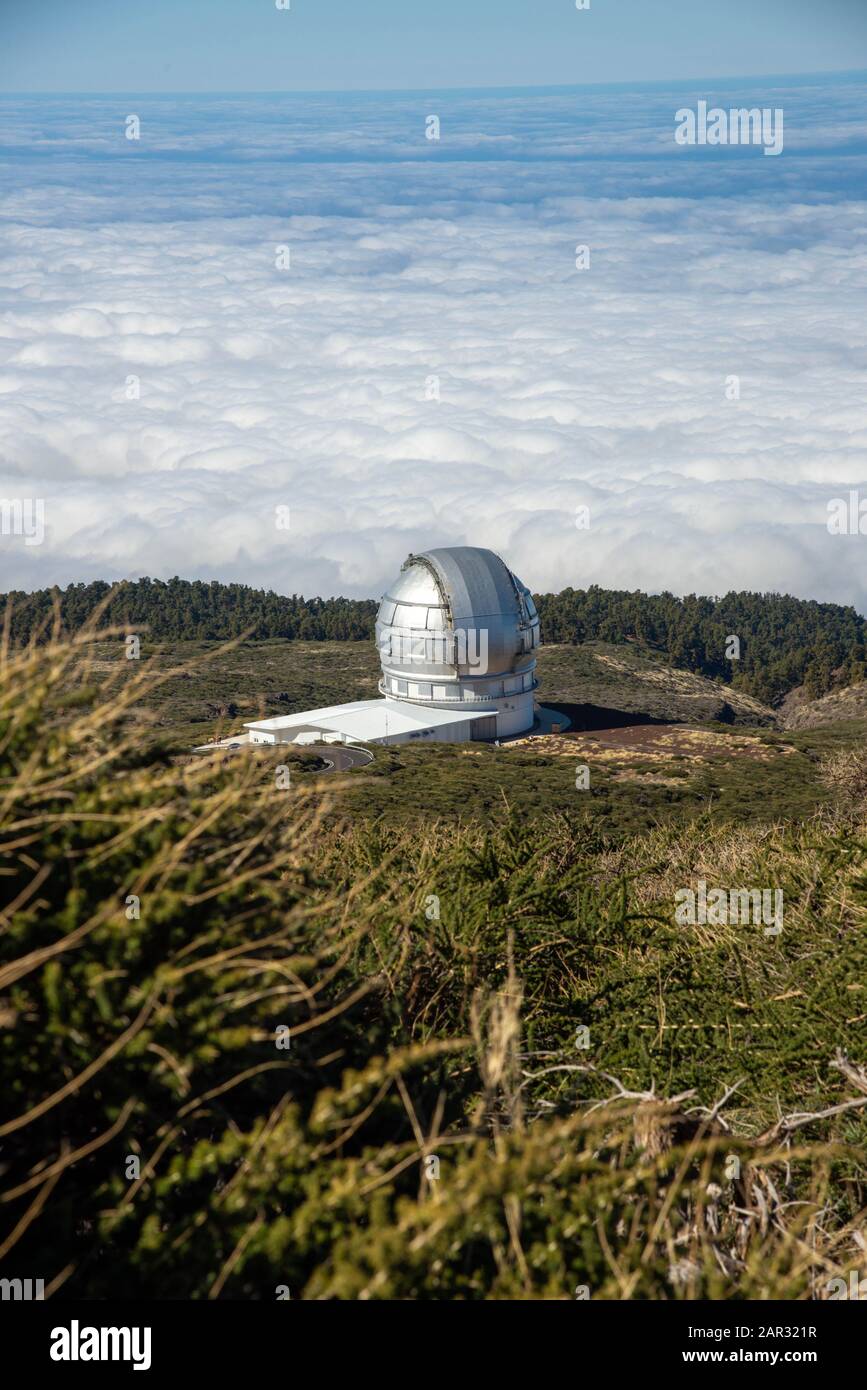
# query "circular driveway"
(340, 758)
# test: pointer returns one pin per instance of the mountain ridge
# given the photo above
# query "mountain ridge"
(764, 645)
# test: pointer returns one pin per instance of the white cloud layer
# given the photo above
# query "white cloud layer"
(309, 386)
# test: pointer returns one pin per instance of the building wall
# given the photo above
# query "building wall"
(298, 733)
(444, 733)
(515, 716)
(511, 700)
(475, 726)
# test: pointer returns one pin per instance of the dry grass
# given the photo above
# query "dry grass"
(846, 775)
(643, 1168)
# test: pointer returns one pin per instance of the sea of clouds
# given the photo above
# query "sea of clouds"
(310, 387)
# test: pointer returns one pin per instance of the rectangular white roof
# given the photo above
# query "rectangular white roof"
(368, 719)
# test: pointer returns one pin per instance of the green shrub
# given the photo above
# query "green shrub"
(163, 920)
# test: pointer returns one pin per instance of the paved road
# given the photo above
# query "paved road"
(339, 758)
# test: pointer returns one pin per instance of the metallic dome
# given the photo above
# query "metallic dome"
(458, 626)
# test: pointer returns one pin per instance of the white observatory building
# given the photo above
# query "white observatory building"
(458, 631)
(457, 635)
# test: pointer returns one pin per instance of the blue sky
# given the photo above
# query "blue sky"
(250, 45)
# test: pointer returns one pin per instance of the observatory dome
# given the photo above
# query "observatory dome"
(458, 629)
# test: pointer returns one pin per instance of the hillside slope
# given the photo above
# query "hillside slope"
(837, 706)
(629, 678)
(208, 688)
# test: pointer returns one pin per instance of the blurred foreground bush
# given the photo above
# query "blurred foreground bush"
(508, 1072)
